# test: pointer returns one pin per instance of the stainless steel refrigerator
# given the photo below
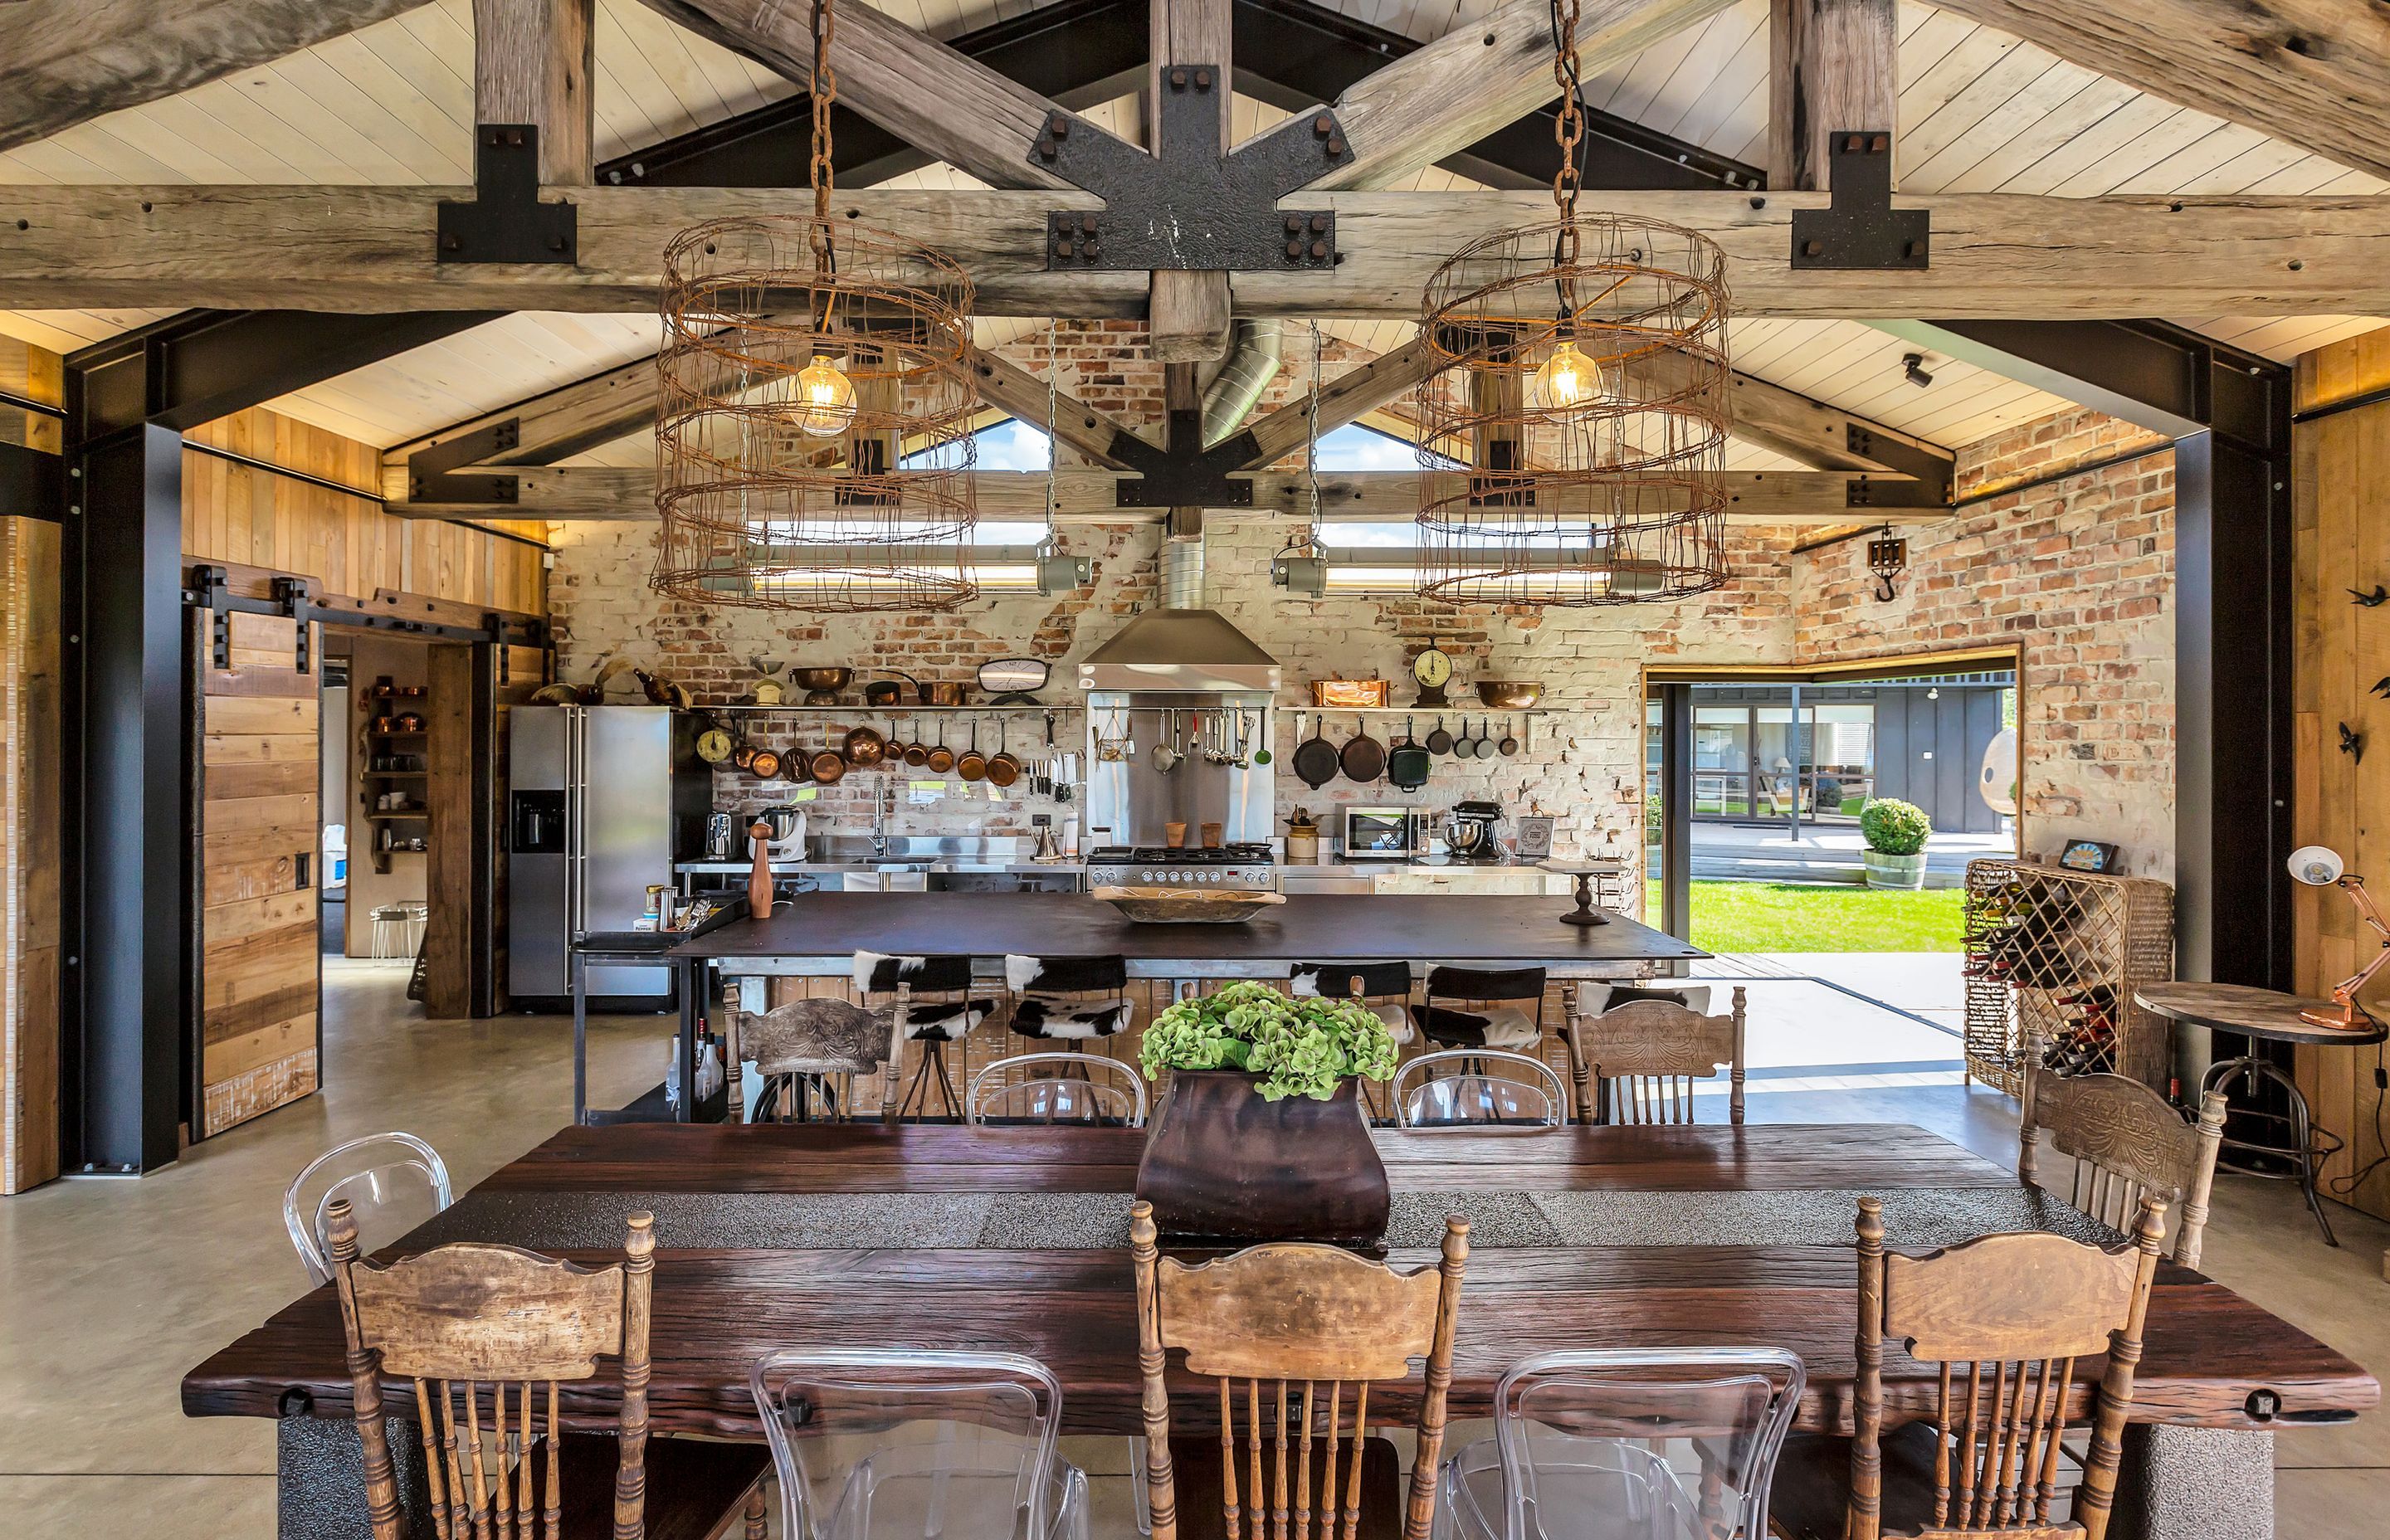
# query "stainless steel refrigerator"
(602, 800)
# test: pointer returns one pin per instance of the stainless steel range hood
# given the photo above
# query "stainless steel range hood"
(1181, 646)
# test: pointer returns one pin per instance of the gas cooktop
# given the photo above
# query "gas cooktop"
(1240, 855)
(1238, 866)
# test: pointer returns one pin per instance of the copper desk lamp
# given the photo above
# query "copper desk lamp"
(2321, 866)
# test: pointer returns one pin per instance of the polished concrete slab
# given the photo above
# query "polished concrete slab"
(111, 1288)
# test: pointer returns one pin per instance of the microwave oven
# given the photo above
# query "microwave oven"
(1384, 833)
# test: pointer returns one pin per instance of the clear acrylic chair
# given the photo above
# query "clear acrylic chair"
(393, 1182)
(1487, 1089)
(891, 1444)
(1082, 1088)
(1665, 1444)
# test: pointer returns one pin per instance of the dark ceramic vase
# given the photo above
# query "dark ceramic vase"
(1222, 1163)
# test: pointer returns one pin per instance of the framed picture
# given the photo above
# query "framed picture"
(1534, 839)
(2087, 856)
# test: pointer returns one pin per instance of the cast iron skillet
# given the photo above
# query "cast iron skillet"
(1315, 757)
(1407, 767)
(1364, 758)
(1439, 742)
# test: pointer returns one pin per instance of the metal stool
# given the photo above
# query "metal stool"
(926, 1002)
(391, 937)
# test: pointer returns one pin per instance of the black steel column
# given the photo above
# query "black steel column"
(1676, 810)
(121, 884)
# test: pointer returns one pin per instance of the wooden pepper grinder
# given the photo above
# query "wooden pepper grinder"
(759, 878)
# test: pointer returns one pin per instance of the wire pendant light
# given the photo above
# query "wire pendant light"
(1575, 451)
(814, 447)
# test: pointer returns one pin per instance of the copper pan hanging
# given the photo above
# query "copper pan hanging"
(828, 765)
(1003, 769)
(863, 748)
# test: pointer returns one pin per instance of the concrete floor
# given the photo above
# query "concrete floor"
(109, 1289)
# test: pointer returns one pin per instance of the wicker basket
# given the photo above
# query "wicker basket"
(2044, 946)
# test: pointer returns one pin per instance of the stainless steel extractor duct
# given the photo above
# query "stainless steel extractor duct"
(1252, 364)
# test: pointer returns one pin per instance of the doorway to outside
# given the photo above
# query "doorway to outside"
(1758, 790)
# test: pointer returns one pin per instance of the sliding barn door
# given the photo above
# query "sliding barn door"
(259, 979)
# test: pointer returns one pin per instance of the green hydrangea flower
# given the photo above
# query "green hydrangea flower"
(1297, 1046)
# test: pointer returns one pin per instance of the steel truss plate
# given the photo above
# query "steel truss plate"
(506, 222)
(1860, 229)
(1191, 208)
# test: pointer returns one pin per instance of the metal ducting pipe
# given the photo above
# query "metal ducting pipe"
(1182, 573)
(1252, 364)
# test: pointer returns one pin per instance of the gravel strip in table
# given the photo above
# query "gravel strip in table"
(1912, 1217)
(770, 1221)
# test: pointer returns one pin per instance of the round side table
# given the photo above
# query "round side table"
(2274, 1017)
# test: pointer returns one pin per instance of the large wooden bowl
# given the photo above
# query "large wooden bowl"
(1189, 906)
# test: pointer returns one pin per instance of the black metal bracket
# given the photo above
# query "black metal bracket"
(1930, 488)
(33, 483)
(1167, 480)
(506, 222)
(1192, 205)
(1860, 229)
(428, 477)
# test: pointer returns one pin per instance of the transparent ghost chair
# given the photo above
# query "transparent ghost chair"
(1634, 1445)
(890, 1444)
(392, 1182)
(1486, 1088)
(1082, 1088)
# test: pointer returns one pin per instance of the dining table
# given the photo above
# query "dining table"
(1015, 1238)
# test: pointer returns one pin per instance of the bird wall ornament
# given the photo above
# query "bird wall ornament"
(2352, 744)
(2380, 596)
(2380, 687)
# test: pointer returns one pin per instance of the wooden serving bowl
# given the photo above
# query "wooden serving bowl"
(1188, 905)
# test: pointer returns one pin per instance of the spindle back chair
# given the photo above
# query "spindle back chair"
(2125, 1140)
(2024, 1307)
(1295, 1314)
(461, 1318)
(1641, 1060)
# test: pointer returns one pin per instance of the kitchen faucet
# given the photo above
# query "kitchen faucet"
(882, 809)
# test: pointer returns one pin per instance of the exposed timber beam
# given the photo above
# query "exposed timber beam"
(1091, 497)
(550, 426)
(532, 63)
(1188, 320)
(1994, 255)
(931, 97)
(67, 61)
(1480, 77)
(2315, 73)
(1834, 66)
(1009, 386)
(1346, 399)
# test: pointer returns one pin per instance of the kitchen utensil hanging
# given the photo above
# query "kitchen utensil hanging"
(917, 753)
(766, 766)
(972, 765)
(1003, 769)
(1408, 765)
(1481, 745)
(715, 744)
(1262, 754)
(1508, 747)
(1166, 754)
(1316, 762)
(864, 747)
(942, 759)
(1439, 742)
(1363, 758)
(829, 765)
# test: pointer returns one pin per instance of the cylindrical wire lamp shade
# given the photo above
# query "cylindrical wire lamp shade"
(1575, 452)
(814, 444)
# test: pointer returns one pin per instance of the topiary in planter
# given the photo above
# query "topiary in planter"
(1894, 827)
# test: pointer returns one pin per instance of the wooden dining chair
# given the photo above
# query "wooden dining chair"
(480, 1327)
(2002, 1318)
(1635, 1063)
(1293, 1316)
(2125, 1140)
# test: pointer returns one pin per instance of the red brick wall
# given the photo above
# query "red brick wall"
(2080, 571)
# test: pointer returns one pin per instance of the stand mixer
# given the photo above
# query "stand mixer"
(1470, 831)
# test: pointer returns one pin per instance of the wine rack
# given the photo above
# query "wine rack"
(2052, 959)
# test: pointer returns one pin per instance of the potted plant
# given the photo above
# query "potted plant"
(1260, 1136)
(1895, 833)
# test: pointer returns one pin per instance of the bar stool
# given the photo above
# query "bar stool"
(926, 1001)
(1484, 1011)
(1384, 987)
(808, 1049)
(1072, 999)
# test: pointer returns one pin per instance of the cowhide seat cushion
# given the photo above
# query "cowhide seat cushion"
(1068, 997)
(1496, 1026)
(1048, 1016)
(816, 1038)
(1304, 979)
(937, 1021)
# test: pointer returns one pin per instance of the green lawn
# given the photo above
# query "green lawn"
(1780, 916)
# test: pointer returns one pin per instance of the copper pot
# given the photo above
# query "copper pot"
(829, 766)
(766, 766)
(865, 748)
(917, 753)
(941, 695)
(941, 758)
(1003, 770)
(972, 765)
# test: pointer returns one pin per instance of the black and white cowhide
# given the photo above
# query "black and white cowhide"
(1068, 997)
(878, 972)
(1493, 1027)
(1305, 979)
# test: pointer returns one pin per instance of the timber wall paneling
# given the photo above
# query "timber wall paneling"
(259, 974)
(29, 851)
(2341, 485)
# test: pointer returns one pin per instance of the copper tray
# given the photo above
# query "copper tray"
(1350, 694)
(1188, 906)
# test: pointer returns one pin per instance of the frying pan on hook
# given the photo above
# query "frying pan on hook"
(1439, 742)
(1364, 758)
(1314, 758)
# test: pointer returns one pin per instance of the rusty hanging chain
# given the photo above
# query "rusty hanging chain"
(825, 91)
(1568, 128)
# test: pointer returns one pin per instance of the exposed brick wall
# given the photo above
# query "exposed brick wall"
(1585, 764)
(2080, 572)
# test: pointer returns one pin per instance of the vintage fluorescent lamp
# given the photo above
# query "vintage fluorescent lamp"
(2321, 866)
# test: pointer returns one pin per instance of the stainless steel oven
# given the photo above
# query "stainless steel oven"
(1383, 833)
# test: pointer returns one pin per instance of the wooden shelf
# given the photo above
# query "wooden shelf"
(858, 709)
(393, 816)
(399, 774)
(396, 732)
